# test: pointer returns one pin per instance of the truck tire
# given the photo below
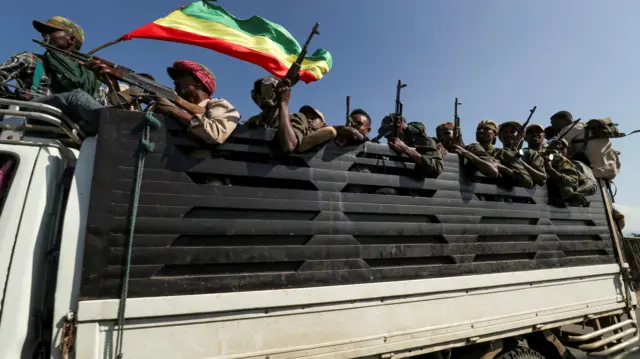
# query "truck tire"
(520, 353)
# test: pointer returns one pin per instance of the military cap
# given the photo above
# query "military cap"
(199, 71)
(488, 124)
(531, 127)
(515, 124)
(60, 23)
(309, 109)
(416, 129)
(562, 114)
(445, 126)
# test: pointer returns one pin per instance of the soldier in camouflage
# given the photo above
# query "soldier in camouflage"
(272, 95)
(444, 136)
(478, 156)
(567, 184)
(518, 171)
(421, 149)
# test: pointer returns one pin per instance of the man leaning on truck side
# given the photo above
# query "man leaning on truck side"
(478, 154)
(196, 83)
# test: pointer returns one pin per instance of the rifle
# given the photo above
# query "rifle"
(456, 122)
(132, 78)
(524, 127)
(547, 151)
(293, 75)
(398, 114)
(348, 110)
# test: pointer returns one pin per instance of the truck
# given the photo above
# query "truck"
(143, 242)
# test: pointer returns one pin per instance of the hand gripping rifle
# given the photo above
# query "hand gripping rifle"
(131, 77)
(293, 75)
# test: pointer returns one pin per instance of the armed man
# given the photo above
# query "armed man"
(479, 155)
(444, 136)
(534, 135)
(55, 79)
(356, 129)
(415, 144)
(272, 95)
(510, 165)
(196, 84)
(568, 185)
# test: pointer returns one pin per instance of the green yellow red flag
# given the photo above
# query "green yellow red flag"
(255, 40)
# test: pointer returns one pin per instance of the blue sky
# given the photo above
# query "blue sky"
(499, 57)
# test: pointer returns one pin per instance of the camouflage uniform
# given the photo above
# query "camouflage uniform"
(264, 95)
(511, 159)
(564, 187)
(483, 153)
(298, 120)
(415, 135)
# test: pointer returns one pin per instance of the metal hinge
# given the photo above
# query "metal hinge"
(68, 336)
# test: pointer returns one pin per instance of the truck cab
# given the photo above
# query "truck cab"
(244, 254)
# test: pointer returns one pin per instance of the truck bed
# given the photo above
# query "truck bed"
(290, 259)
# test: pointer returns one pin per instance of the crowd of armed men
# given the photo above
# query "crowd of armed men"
(60, 81)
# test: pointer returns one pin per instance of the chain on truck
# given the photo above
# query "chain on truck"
(285, 261)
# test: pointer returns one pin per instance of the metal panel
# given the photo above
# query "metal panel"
(303, 221)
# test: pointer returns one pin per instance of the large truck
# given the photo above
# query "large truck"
(234, 252)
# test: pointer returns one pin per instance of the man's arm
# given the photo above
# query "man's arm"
(536, 169)
(217, 123)
(16, 67)
(480, 159)
(589, 185)
(346, 134)
(429, 165)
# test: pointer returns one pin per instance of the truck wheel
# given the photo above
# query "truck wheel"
(520, 353)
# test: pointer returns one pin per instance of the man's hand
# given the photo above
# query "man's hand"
(460, 150)
(397, 145)
(100, 68)
(346, 135)
(25, 96)
(443, 151)
(284, 91)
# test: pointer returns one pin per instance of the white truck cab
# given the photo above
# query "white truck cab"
(324, 276)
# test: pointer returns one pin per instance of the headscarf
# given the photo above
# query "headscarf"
(69, 75)
(199, 71)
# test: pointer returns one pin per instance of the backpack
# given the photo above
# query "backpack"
(602, 128)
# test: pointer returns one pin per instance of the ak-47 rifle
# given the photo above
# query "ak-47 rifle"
(293, 75)
(131, 77)
(524, 128)
(456, 122)
(395, 132)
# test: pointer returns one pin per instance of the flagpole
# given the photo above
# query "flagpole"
(106, 44)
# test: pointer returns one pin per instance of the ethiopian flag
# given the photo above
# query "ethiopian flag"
(256, 40)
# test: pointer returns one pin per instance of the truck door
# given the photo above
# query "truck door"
(16, 164)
